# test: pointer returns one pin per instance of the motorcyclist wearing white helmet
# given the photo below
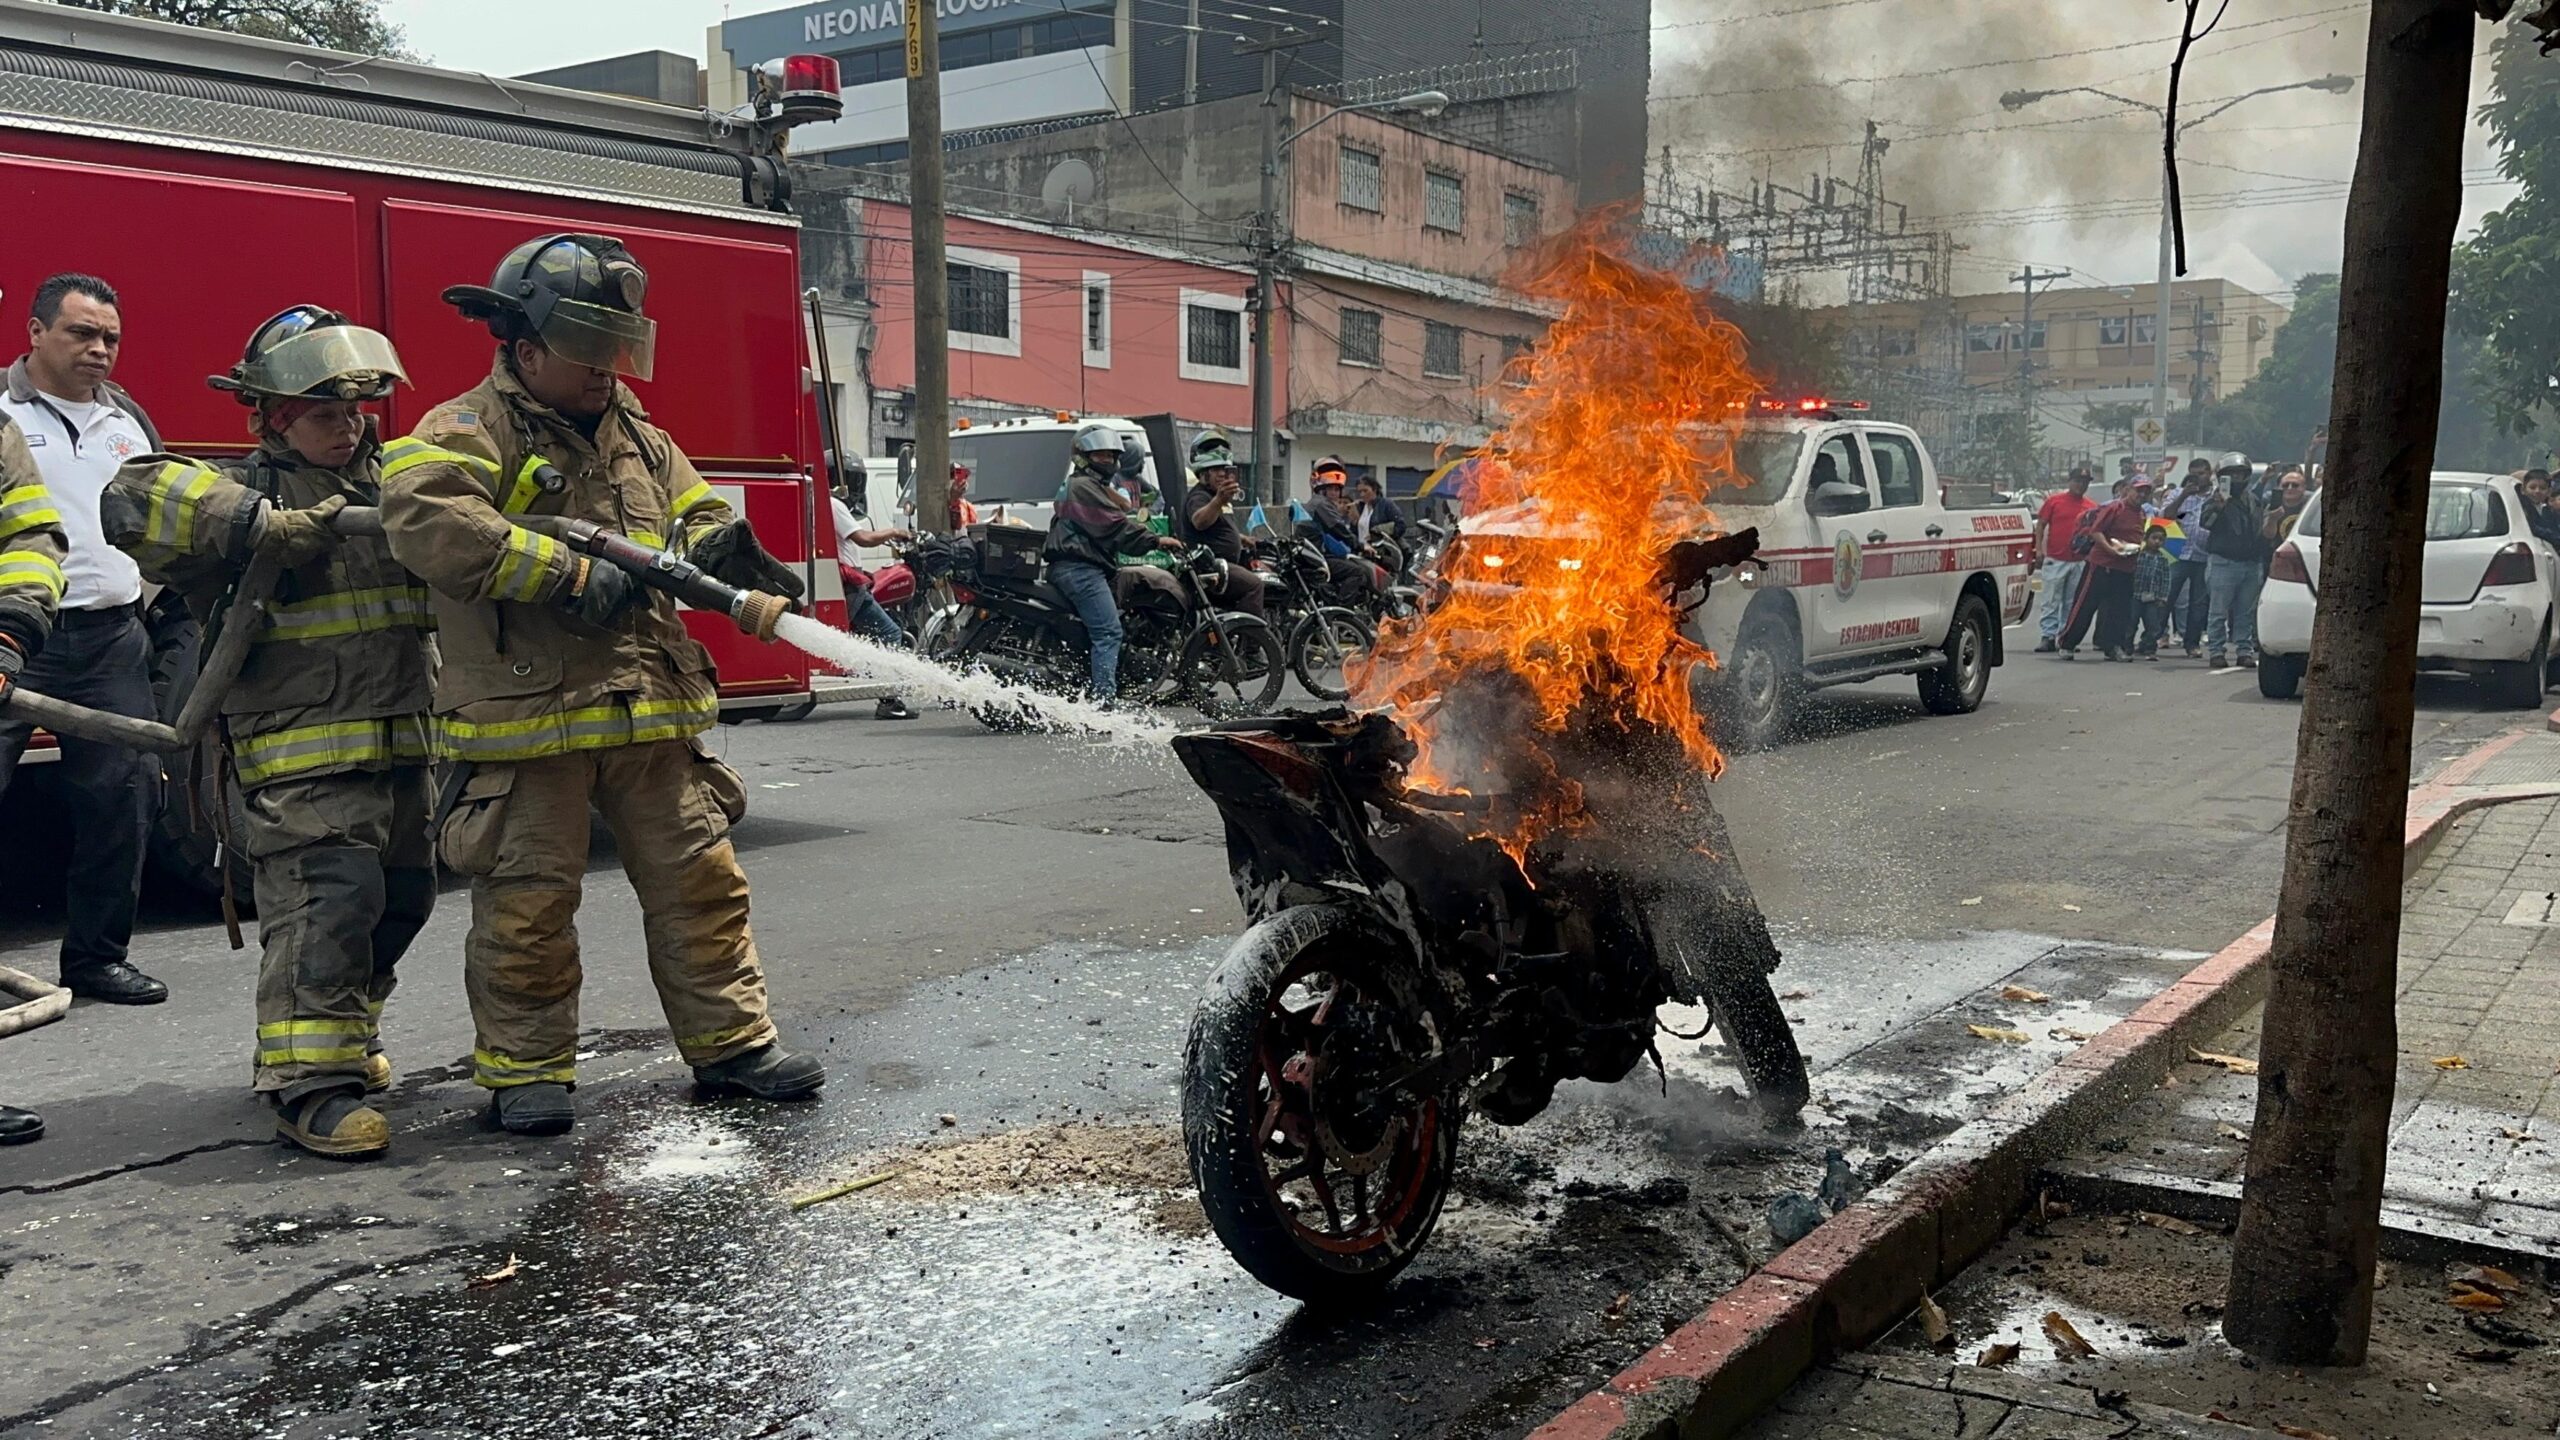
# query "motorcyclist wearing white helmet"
(1094, 524)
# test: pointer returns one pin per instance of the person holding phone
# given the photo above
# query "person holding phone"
(2235, 560)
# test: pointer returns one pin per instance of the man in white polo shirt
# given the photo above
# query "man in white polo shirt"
(80, 427)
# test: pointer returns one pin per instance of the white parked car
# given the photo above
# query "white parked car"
(2485, 601)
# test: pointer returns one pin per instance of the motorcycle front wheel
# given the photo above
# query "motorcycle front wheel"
(1325, 646)
(1321, 1191)
(1231, 667)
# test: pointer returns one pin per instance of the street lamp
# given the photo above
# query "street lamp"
(1266, 257)
(2020, 99)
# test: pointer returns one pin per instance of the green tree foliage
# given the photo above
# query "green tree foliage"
(355, 26)
(2506, 278)
(2117, 418)
(2274, 416)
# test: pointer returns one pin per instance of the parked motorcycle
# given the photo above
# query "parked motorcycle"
(1324, 641)
(1012, 622)
(1403, 972)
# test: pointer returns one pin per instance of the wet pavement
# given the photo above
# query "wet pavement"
(1011, 932)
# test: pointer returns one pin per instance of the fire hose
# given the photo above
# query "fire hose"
(753, 611)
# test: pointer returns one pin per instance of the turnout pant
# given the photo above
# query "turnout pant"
(519, 830)
(2106, 602)
(101, 659)
(344, 871)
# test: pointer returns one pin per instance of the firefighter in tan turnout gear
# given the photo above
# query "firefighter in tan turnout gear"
(327, 724)
(566, 685)
(32, 547)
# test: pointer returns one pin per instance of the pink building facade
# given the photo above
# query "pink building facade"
(1045, 319)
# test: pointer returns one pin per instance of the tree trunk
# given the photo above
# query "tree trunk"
(2310, 1217)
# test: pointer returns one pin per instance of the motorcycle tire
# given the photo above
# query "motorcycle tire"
(1241, 1117)
(1235, 676)
(1748, 1015)
(1324, 646)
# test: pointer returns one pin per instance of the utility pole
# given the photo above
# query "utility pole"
(2029, 279)
(1267, 247)
(2301, 1285)
(2198, 385)
(925, 219)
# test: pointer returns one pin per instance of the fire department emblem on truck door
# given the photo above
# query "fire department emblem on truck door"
(1846, 557)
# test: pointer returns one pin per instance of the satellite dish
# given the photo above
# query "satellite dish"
(1069, 185)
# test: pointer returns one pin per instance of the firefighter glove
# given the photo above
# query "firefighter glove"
(294, 538)
(732, 555)
(606, 591)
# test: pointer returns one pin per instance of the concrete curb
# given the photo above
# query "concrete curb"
(1869, 1266)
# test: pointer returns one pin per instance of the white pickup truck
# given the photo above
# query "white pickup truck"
(1863, 572)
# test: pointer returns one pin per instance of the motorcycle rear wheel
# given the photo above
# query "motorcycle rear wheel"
(1319, 1196)
(1324, 646)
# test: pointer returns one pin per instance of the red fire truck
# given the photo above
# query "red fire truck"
(214, 179)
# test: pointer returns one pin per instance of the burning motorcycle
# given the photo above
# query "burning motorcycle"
(1410, 965)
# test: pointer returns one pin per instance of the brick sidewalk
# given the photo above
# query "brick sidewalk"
(2479, 980)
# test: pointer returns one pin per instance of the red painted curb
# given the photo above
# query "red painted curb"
(1869, 1266)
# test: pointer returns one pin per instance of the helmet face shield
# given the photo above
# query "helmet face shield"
(331, 362)
(601, 338)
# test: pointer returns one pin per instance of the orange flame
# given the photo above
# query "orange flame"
(1624, 427)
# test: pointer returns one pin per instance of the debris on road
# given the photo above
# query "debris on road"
(2229, 1131)
(2065, 1032)
(1934, 1326)
(2024, 996)
(1995, 1032)
(1793, 1216)
(2067, 1340)
(2170, 1223)
(1993, 1357)
(499, 1276)
(2236, 1064)
(838, 1192)
(2450, 1062)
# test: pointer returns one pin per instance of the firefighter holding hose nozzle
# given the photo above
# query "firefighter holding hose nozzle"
(326, 725)
(568, 685)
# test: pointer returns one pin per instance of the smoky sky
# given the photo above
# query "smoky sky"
(1742, 94)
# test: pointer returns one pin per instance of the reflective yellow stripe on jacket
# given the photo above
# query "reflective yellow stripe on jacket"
(409, 452)
(351, 612)
(595, 727)
(524, 566)
(176, 493)
(31, 567)
(399, 740)
(313, 1042)
(25, 508)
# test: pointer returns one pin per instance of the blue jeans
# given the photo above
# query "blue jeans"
(864, 616)
(2061, 587)
(1088, 589)
(2232, 586)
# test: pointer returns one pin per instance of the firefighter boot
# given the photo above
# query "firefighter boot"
(333, 1120)
(539, 1108)
(767, 1073)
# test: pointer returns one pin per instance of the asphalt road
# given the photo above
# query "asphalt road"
(1008, 932)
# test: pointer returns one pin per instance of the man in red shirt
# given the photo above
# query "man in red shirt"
(2056, 522)
(2114, 533)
